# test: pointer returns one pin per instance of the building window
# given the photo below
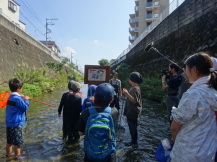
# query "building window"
(12, 6)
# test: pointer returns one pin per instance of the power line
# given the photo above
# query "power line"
(31, 23)
(32, 12)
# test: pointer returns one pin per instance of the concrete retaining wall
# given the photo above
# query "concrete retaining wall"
(190, 28)
(18, 49)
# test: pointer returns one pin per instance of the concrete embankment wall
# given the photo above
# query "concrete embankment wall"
(18, 49)
(190, 28)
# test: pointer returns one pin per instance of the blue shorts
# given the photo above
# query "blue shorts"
(14, 135)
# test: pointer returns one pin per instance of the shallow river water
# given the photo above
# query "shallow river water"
(43, 134)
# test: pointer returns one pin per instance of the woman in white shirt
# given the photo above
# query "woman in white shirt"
(194, 127)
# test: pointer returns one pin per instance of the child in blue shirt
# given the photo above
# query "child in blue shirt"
(16, 107)
(87, 101)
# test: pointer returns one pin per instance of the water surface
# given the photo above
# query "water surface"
(43, 134)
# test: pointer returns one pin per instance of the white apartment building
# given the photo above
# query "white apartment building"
(146, 12)
(10, 10)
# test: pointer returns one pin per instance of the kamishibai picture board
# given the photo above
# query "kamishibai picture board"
(96, 74)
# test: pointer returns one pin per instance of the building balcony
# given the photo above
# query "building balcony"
(132, 15)
(152, 4)
(136, 8)
(132, 38)
(133, 30)
(137, 2)
(133, 20)
(151, 16)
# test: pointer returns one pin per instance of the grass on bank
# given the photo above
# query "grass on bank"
(45, 79)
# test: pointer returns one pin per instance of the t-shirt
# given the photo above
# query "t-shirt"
(116, 84)
(87, 103)
(85, 115)
(174, 84)
(133, 110)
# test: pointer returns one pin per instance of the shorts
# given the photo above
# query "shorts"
(14, 135)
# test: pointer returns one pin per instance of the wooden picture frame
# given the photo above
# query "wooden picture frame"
(96, 74)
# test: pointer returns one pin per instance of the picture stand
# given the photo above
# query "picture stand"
(96, 74)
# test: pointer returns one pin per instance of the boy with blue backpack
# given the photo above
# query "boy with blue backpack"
(96, 123)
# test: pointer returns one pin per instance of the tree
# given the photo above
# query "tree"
(103, 62)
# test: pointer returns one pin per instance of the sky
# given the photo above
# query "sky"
(87, 30)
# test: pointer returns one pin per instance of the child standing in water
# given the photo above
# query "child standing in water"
(133, 106)
(16, 107)
(71, 105)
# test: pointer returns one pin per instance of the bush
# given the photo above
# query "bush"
(31, 90)
(42, 80)
(28, 75)
(150, 88)
(46, 85)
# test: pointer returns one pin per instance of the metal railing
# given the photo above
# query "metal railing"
(132, 38)
(136, 8)
(153, 4)
(133, 20)
(133, 29)
(172, 6)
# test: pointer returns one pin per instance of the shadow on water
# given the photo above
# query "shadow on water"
(43, 134)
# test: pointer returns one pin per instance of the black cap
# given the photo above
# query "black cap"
(136, 77)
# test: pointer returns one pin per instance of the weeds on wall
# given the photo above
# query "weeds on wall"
(44, 79)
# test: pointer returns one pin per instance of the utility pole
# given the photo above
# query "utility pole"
(76, 64)
(47, 29)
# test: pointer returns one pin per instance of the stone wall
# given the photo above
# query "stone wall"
(18, 49)
(190, 28)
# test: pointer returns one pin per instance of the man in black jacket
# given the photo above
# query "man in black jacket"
(71, 105)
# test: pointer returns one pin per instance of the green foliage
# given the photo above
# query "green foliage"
(50, 65)
(31, 90)
(28, 75)
(72, 66)
(150, 88)
(123, 71)
(64, 62)
(45, 79)
(103, 62)
(55, 66)
(2, 89)
(46, 85)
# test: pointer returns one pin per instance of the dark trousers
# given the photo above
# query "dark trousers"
(115, 102)
(170, 102)
(69, 130)
(133, 130)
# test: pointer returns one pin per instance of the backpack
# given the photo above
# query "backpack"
(99, 141)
